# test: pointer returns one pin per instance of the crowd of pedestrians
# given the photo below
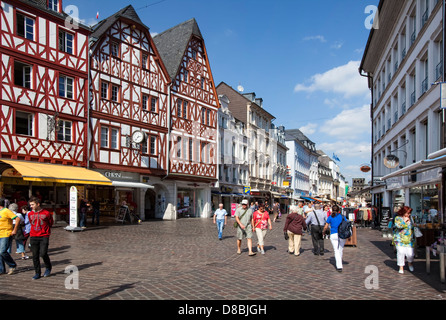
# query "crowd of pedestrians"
(320, 221)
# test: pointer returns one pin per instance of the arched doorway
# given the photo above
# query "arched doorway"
(149, 204)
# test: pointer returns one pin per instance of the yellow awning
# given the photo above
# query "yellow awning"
(46, 172)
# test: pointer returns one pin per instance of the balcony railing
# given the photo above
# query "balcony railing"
(403, 53)
(425, 17)
(403, 108)
(413, 36)
(396, 65)
(395, 118)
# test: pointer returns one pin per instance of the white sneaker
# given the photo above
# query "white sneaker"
(411, 268)
(401, 271)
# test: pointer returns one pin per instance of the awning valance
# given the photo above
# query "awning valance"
(47, 172)
(126, 184)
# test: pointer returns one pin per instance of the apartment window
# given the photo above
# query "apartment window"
(145, 61)
(194, 54)
(424, 12)
(114, 49)
(104, 137)
(104, 90)
(66, 41)
(22, 74)
(64, 133)
(152, 145)
(191, 149)
(25, 26)
(153, 104)
(115, 93)
(24, 123)
(208, 117)
(202, 83)
(179, 107)
(185, 76)
(425, 73)
(53, 5)
(109, 137)
(145, 102)
(185, 109)
(66, 87)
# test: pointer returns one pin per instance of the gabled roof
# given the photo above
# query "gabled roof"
(172, 44)
(127, 13)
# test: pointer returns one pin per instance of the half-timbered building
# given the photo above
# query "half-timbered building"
(129, 109)
(43, 100)
(192, 157)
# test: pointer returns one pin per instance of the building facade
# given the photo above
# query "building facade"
(128, 115)
(302, 159)
(44, 103)
(193, 116)
(403, 61)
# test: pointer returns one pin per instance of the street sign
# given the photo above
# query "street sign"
(247, 190)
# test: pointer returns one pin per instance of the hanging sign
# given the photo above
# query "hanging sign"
(391, 161)
(443, 95)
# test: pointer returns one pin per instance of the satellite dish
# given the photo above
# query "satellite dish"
(240, 88)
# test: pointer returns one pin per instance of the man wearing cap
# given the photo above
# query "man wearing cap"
(243, 216)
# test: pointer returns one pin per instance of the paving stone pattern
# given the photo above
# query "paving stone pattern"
(184, 260)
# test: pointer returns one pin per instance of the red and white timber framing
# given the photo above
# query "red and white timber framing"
(128, 93)
(33, 65)
(194, 100)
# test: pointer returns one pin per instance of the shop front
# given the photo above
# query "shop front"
(126, 188)
(193, 200)
(51, 183)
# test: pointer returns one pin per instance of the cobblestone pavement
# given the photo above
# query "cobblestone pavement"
(184, 260)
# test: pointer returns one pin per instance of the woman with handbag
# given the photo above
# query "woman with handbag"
(294, 226)
(260, 222)
(403, 237)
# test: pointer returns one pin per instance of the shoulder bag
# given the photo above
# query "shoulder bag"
(236, 223)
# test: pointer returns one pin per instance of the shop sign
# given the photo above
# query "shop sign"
(233, 209)
(11, 173)
(247, 190)
(73, 207)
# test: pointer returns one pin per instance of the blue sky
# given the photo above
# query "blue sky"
(300, 56)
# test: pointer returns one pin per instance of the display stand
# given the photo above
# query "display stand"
(122, 214)
(352, 241)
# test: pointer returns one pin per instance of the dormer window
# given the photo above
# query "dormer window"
(53, 5)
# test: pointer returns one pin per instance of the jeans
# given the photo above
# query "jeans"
(5, 257)
(39, 248)
(95, 216)
(220, 225)
(338, 247)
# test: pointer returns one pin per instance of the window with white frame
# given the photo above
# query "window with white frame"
(66, 42)
(153, 145)
(65, 131)
(24, 122)
(109, 138)
(25, 26)
(22, 74)
(145, 102)
(115, 93)
(104, 90)
(154, 104)
(114, 49)
(53, 5)
(66, 85)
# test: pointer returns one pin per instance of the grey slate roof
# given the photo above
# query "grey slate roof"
(128, 12)
(172, 44)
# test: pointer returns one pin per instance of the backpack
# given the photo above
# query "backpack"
(345, 229)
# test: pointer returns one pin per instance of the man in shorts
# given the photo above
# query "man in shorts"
(243, 216)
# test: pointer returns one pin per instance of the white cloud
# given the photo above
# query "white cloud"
(347, 150)
(318, 38)
(337, 45)
(350, 124)
(309, 129)
(343, 80)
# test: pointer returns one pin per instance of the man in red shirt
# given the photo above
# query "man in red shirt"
(41, 221)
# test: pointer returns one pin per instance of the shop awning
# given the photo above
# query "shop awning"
(47, 172)
(126, 184)
(310, 199)
(418, 167)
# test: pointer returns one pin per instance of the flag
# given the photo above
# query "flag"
(97, 15)
(335, 157)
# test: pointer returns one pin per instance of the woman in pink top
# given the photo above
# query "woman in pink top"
(260, 222)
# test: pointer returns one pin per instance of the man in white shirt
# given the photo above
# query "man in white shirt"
(220, 218)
